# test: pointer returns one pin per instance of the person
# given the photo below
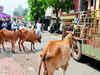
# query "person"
(14, 25)
(38, 28)
(9, 24)
(61, 27)
(4, 25)
(76, 22)
(70, 28)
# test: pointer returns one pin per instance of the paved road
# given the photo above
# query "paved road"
(26, 63)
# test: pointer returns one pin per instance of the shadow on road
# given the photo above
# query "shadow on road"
(28, 51)
(8, 53)
(91, 63)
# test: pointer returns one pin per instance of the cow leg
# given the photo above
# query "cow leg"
(64, 72)
(45, 72)
(23, 45)
(0, 48)
(64, 68)
(48, 72)
(13, 47)
(49, 69)
(19, 45)
(3, 45)
(32, 46)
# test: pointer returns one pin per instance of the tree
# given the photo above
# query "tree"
(37, 7)
(65, 5)
(25, 12)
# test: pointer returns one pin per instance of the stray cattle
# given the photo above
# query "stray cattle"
(12, 36)
(28, 35)
(56, 55)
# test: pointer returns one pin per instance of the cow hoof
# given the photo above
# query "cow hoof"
(4, 50)
(20, 50)
(13, 52)
(32, 51)
(24, 51)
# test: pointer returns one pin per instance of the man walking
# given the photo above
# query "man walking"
(38, 28)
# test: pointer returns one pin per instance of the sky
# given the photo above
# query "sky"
(10, 5)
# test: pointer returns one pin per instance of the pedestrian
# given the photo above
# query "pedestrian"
(38, 28)
(76, 22)
(9, 24)
(14, 26)
(4, 25)
(71, 27)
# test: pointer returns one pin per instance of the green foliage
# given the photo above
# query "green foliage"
(25, 12)
(37, 7)
(65, 5)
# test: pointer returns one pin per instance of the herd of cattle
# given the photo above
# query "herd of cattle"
(55, 55)
(20, 35)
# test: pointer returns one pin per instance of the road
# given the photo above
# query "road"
(26, 63)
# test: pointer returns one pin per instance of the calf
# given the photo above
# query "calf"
(56, 55)
(28, 35)
(12, 36)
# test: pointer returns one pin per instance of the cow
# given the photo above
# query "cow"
(11, 36)
(28, 35)
(56, 55)
(1, 42)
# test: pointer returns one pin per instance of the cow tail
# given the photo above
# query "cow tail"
(41, 61)
(45, 68)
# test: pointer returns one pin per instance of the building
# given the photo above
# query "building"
(83, 5)
(50, 17)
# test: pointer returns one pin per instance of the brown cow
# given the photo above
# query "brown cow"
(56, 55)
(28, 35)
(12, 36)
(1, 42)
